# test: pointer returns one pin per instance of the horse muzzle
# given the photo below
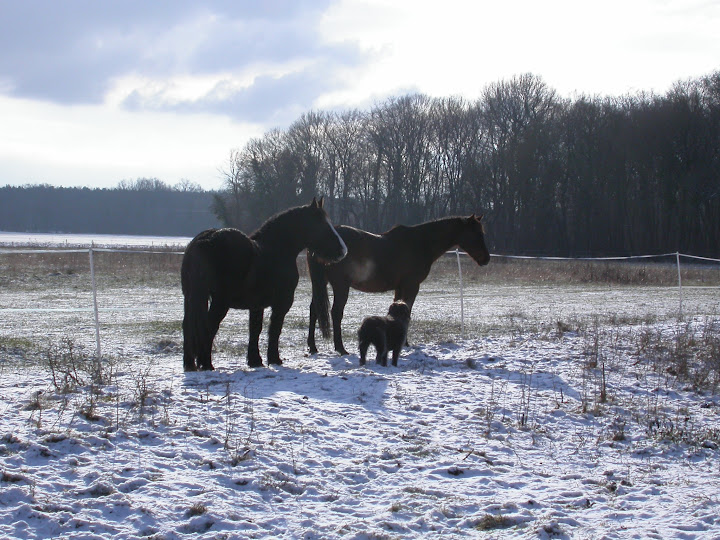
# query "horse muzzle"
(326, 258)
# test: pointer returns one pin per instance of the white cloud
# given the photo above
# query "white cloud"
(458, 47)
(100, 145)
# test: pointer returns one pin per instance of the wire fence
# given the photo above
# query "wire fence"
(92, 249)
(676, 255)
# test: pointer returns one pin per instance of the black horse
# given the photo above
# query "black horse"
(399, 260)
(233, 270)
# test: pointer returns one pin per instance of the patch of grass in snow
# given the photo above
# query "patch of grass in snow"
(19, 347)
(161, 327)
(687, 351)
(197, 509)
(490, 522)
(71, 367)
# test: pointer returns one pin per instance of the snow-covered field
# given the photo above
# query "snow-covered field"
(550, 416)
(85, 240)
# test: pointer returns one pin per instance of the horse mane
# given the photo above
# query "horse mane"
(280, 221)
(418, 226)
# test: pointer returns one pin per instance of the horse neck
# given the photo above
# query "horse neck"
(286, 231)
(439, 235)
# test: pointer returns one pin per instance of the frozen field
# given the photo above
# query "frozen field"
(561, 411)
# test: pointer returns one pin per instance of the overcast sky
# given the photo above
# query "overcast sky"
(94, 92)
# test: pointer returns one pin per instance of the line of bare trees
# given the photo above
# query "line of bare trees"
(588, 175)
(144, 206)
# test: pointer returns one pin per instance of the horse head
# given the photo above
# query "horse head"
(324, 242)
(472, 239)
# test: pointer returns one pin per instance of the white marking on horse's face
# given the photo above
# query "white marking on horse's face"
(342, 242)
(362, 270)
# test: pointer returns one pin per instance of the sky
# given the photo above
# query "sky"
(92, 93)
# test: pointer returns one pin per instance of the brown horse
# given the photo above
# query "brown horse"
(399, 260)
(236, 271)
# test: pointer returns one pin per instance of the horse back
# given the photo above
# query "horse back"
(225, 254)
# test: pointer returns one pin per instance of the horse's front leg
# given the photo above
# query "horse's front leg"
(253, 353)
(407, 293)
(276, 323)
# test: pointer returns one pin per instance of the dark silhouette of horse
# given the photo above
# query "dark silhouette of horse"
(399, 260)
(233, 270)
(385, 333)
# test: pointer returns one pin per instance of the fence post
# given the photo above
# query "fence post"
(95, 306)
(462, 301)
(677, 257)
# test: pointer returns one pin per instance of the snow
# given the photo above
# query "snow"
(86, 240)
(499, 432)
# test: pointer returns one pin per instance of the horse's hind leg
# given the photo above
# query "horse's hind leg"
(188, 354)
(311, 331)
(340, 298)
(194, 330)
(255, 327)
(216, 314)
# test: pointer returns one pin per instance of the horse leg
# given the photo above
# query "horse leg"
(255, 327)
(311, 331)
(276, 322)
(340, 298)
(407, 293)
(216, 314)
(190, 345)
(194, 329)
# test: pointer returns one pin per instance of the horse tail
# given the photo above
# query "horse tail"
(195, 281)
(319, 294)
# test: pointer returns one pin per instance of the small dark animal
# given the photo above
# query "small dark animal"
(399, 260)
(385, 333)
(232, 270)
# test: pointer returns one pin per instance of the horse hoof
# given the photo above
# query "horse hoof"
(342, 352)
(312, 350)
(256, 362)
(275, 361)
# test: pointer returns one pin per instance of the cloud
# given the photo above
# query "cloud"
(244, 54)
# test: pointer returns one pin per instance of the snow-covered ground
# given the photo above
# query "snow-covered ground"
(548, 417)
(86, 240)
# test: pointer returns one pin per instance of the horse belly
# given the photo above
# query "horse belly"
(365, 276)
(362, 273)
(263, 288)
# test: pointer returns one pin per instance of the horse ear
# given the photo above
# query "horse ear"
(321, 202)
(314, 203)
(480, 218)
(473, 218)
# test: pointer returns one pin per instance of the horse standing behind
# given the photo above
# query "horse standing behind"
(399, 259)
(233, 270)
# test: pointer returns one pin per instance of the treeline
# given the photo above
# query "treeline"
(146, 206)
(557, 176)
